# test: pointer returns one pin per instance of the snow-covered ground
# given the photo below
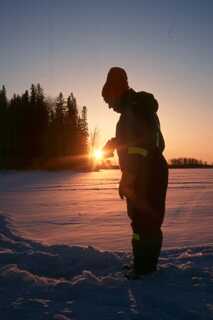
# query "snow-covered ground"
(84, 208)
(58, 279)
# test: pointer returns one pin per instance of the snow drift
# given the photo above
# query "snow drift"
(70, 282)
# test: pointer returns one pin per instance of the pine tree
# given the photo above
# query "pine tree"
(71, 133)
(3, 98)
(32, 126)
(60, 109)
(42, 117)
(59, 125)
(26, 98)
(83, 132)
(33, 94)
(72, 110)
(3, 122)
(35, 122)
(85, 125)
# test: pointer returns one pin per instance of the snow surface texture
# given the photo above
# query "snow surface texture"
(53, 279)
(61, 282)
(85, 209)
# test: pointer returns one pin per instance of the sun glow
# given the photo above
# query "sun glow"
(98, 154)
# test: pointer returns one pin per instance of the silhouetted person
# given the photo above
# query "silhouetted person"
(139, 143)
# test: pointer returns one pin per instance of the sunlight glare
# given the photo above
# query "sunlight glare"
(98, 154)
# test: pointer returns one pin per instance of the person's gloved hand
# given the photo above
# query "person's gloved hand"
(127, 186)
(109, 148)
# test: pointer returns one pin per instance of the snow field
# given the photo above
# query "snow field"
(62, 282)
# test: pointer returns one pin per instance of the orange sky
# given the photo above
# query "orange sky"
(165, 46)
(185, 124)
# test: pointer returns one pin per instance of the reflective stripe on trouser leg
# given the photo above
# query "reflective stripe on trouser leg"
(136, 236)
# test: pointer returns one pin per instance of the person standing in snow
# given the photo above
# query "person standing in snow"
(140, 144)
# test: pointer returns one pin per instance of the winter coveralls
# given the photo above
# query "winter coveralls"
(139, 146)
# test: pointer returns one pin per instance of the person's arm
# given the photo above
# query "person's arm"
(136, 151)
(131, 158)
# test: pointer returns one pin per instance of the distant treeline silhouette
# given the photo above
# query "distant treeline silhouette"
(188, 163)
(34, 129)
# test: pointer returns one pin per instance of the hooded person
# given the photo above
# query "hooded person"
(139, 144)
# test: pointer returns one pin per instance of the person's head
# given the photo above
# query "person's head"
(115, 87)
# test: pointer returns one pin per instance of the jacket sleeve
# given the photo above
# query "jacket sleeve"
(136, 153)
(138, 133)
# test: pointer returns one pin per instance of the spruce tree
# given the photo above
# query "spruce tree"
(42, 118)
(33, 94)
(59, 125)
(71, 126)
(60, 109)
(3, 122)
(83, 133)
(32, 126)
(72, 110)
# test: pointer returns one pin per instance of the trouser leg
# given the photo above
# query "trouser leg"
(146, 241)
(146, 251)
(147, 213)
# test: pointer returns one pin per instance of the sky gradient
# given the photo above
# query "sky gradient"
(165, 46)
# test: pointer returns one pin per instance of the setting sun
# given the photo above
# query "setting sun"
(98, 154)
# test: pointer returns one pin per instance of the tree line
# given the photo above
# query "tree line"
(34, 128)
(188, 163)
